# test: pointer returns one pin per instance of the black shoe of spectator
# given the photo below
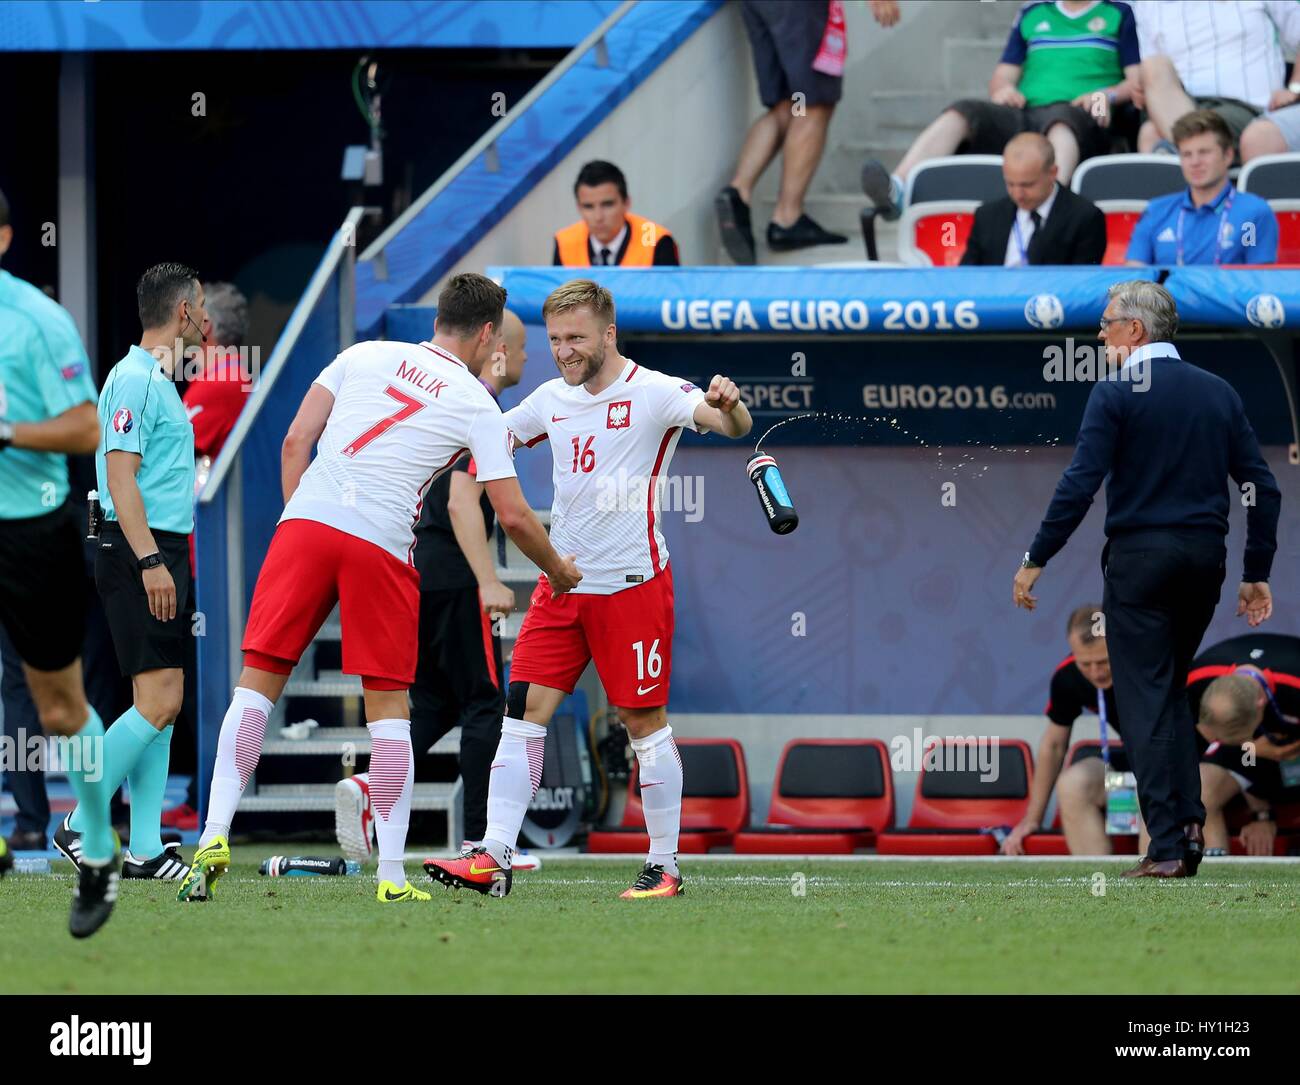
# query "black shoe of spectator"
(879, 189)
(733, 222)
(26, 841)
(802, 235)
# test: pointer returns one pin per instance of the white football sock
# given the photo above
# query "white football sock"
(391, 776)
(661, 795)
(238, 749)
(516, 773)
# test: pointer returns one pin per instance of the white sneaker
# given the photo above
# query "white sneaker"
(354, 824)
(524, 861)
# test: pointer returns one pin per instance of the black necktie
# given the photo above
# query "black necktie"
(1036, 219)
(604, 257)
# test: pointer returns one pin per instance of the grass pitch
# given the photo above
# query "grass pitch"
(743, 927)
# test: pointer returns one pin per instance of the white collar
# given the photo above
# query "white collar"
(1044, 209)
(1075, 14)
(613, 246)
(1150, 350)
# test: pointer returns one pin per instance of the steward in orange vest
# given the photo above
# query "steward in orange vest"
(631, 240)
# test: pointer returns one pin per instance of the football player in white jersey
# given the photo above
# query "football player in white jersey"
(612, 426)
(385, 418)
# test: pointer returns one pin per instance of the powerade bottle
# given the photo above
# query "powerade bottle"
(298, 866)
(772, 495)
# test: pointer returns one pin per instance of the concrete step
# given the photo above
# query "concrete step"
(969, 62)
(336, 741)
(909, 109)
(319, 798)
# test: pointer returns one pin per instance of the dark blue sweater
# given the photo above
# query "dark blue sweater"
(1168, 452)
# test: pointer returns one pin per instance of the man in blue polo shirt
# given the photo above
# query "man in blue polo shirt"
(47, 411)
(1211, 222)
(145, 471)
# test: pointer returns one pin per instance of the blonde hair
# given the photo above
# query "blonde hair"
(1237, 696)
(580, 294)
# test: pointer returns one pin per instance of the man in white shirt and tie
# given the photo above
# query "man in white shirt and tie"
(1038, 221)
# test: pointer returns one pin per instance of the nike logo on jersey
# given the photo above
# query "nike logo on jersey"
(642, 692)
(559, 417)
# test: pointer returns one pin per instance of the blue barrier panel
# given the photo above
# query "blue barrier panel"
(903, 301)
(76, 26)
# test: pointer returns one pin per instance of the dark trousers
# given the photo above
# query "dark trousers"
(21, 724)
(1161, 591)
(458, 681)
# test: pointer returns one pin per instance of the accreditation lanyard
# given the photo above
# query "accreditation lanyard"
(1105, 739)
(1021, 247)
(1218, 232)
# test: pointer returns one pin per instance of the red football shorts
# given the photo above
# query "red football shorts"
(629, 634)
(309, 568)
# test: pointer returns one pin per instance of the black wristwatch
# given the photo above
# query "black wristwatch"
(1027, 564)
(6, 434)
(150, 562)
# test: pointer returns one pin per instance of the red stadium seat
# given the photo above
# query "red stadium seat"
(953, 806)
(715, 801)
(1121, 217)
(1288, 226)
(935, 234)
(831, 795)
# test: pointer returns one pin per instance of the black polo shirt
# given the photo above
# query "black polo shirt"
(1071, 694)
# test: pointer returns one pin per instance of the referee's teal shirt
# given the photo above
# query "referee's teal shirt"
(44, 372)
(141, 411)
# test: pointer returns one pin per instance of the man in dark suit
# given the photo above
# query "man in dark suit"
(1038, 221)
(1168, 434)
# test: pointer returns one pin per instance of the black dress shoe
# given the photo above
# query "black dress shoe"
(26, 841)
(804, 234)
(1195, 847)
(1163, 868)
(734, 225)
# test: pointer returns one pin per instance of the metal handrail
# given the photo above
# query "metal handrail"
(341, 250)
(486, 142)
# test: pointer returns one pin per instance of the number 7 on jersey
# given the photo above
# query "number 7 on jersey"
(410, 406)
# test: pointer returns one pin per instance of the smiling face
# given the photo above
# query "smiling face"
(579, 343)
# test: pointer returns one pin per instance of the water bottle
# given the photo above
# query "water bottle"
(772, 494)
(298, 866)
(31, 866)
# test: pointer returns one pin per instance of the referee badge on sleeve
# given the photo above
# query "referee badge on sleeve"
(122, 420)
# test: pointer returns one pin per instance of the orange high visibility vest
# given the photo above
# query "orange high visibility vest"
(643, 236)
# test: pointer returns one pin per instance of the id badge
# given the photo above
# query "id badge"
(1290, 772)
(1121, 804)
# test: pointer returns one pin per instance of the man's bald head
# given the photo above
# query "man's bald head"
(508, 359)
(1029, 169)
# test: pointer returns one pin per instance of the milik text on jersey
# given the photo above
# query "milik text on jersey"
(408, 372)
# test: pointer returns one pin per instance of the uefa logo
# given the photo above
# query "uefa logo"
(1044, 311)
(1266, 311)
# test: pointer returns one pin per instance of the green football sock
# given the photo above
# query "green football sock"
(148, 783)
(83, 755)
(124, 743)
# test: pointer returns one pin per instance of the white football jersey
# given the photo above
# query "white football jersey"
(403, 413)
(611, 462)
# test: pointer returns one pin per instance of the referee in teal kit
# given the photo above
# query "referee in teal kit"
(145, 471)
(47, 411)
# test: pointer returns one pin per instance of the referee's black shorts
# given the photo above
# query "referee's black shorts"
(43, 587)
(141, 641)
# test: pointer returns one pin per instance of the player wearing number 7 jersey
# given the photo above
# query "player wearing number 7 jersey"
(613, 426)
(385, 418)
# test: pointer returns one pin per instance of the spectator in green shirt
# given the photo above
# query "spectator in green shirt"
(1066, 66)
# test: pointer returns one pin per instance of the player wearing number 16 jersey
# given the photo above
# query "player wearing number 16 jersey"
(612, 426)
(386, 419)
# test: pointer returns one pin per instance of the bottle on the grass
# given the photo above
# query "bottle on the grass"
(290, 866)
